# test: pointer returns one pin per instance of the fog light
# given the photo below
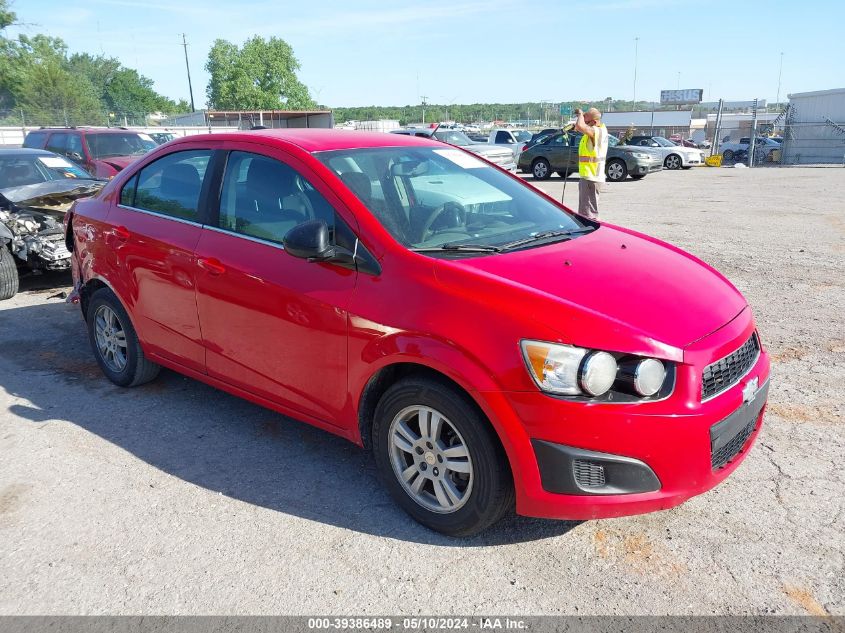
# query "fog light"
(649, 376)
(598, 373)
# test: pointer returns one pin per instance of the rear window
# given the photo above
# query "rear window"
(35, 139)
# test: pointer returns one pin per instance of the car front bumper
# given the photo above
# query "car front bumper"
(641, 167)
(580, 460)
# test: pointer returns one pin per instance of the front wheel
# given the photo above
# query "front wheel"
(616, 170)
(115, 343)
(638, 177)
(9, 280)
(728, 155)
(541, 169)
(673, 161)
(440, 459)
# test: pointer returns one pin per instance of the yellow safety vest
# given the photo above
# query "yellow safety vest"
(588, 158)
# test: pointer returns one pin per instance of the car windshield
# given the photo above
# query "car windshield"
(521, 136)
(443, 198)
(452, 137)
(16, 171)
(113, 144)
(665, 142)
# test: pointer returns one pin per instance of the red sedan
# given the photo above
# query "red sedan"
(488, 345)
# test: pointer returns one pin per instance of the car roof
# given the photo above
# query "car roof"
(88, 130)
(24, 151)
(315, 140)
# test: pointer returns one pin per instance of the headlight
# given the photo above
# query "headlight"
(640, 155)
(554, 367)
(597, 373)
(649, 376)
(567, 370)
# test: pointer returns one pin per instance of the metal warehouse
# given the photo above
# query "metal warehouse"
(815, 128)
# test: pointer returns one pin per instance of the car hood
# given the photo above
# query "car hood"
(119, 162)
(634, 148)
(615, 285)
(52, 193)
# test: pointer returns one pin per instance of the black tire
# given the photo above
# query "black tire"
(540, 169)
(638, 176)
(137, 370)
(727, 155)
(565, 174)
(491, 495)
(673, 161)
(616, 170)
(687, 167)
(9, 280)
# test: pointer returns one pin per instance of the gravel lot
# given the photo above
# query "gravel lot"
(175, 498)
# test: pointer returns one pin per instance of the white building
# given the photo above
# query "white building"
(815, 128)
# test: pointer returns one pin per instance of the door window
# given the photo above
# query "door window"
(503, 137)
(170, 185)
(35, 139)
(57, 143)
(265, 198)
(74, 148)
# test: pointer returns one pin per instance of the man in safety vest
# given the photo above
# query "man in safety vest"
(592, 152)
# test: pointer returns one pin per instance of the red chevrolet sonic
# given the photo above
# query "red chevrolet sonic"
(488, 345)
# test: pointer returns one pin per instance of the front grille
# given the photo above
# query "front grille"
(726, 372)
(589, 474)
(724, 455)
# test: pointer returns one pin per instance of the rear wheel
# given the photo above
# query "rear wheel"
(616, 170)
(440, 459)
(9, 280)
(541, 169)
(673, 161)
(728, 155)
(115, 343)
(638, 177)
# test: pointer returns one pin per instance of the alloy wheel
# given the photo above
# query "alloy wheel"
(111, 338)
(614, 171)
(430, 459)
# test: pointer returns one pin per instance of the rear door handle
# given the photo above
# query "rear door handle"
(121, 233)
(211, 265)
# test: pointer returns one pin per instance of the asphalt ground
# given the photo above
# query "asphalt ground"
(176, 498)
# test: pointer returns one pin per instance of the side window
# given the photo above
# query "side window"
(560, 141)
(127, 194)
(265, 198)
(171, 185)
(35, 139)
(74, 148)
(503, 137)
(57, 143)
(745, 140)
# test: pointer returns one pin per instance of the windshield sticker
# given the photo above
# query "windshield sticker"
(461, 159)
(145, 137)
(54, 161)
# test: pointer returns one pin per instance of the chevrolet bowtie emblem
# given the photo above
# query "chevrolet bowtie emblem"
(750, 390)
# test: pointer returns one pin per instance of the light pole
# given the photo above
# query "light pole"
(636, 50)
(780, 72)
(188, 68)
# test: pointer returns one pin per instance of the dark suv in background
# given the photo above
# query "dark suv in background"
(559, 153)
(102, 152)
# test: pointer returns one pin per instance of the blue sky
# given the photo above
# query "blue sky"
(464, 51)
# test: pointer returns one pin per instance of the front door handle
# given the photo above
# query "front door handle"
(121, 233)
(211, 265)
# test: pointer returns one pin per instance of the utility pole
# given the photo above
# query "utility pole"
(636, 50)
(424, 104)
(188, 68)
(780, 72)
(753, 135)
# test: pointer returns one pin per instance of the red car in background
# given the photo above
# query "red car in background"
(488, 345)
(102, 152)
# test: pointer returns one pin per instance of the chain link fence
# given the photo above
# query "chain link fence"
(18, 117)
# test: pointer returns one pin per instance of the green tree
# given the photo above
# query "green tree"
(261, 75)
(51, 95)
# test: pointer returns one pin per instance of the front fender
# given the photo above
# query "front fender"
(461, 367)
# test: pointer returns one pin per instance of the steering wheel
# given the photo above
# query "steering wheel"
(458, 211)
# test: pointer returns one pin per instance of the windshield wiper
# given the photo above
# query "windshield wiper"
(455, 247)
(544, 235)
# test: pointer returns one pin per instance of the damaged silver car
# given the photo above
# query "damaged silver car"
(36, 189)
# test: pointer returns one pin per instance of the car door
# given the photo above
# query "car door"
(559, 153)
(273, 324)
(154, 229)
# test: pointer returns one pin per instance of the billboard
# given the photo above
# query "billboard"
(679, 97)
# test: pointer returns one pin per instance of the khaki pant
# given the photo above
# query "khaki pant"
(588, 198)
